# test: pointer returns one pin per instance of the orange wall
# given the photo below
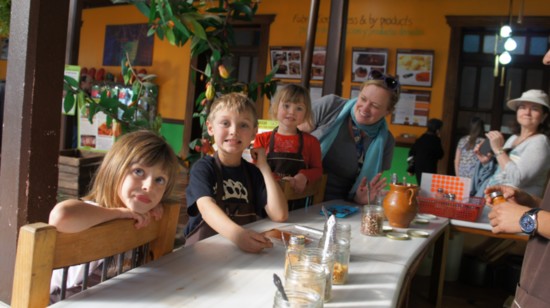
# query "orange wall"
(3, 69)
(409, 24)
(170, 63)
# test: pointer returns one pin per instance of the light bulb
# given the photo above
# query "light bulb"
(510, 44)
(505, 31)
(505, 58)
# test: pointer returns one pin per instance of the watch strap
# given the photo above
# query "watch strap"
(533, 214)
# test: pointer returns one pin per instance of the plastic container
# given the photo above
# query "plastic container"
(469, 210)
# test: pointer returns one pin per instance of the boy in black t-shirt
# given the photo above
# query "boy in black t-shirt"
(225, 191)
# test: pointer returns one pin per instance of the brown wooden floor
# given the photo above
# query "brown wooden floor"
(458, 294)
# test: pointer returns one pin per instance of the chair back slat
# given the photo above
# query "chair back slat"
(41, 249)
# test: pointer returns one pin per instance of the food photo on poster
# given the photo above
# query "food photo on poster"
(415, 67)
(366, 59)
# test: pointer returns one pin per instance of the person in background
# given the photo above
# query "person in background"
(524, 160)
(293, 156)
(225, 191)
(427, 150)
(525, 213)
(356, 144)
(465, 158)
(136, 176)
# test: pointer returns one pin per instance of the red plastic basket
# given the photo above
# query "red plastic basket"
(469, 211)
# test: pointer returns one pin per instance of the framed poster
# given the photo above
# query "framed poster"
(289, 60)
(415, 67)
(413, 108)
(131, 39)
(318, 63)
(366, 59)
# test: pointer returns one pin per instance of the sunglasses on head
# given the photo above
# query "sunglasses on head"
(389, 81)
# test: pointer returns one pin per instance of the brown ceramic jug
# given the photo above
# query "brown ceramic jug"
(400, 206)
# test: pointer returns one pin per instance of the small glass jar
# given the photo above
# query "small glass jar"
(343, 230)
(312, 256)
(304, 275)
(341, 261)
(497, 197)
(300, 298)
(372, 220)
(295, 245)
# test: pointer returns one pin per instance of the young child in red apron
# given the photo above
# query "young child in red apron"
(293, 155)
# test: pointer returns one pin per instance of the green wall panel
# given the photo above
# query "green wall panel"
(173, 132)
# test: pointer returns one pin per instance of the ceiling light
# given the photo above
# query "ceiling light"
(505, 58)
(505, 31)
(510, 44)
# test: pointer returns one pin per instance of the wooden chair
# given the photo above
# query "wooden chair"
(41, 249)
(314, 190)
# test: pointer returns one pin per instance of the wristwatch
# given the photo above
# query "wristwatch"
(528, 221)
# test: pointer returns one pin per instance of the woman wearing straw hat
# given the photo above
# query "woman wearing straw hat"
(524, 160)
(525, 213)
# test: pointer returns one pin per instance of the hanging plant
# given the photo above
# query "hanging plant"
(140, 113)
(207, 25)
(5, 14)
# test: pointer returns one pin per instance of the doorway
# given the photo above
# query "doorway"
(475, 88)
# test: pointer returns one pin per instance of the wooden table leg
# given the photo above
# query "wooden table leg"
(437, 278)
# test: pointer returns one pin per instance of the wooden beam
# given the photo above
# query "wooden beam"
(30, 139)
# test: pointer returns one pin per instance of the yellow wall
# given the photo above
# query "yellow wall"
(408, 24)
(170, 63)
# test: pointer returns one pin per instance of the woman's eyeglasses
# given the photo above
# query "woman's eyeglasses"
(389, 81)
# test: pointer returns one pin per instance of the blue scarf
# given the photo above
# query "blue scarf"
(378, 132)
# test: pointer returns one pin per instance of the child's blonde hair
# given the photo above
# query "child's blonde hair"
(293, 93)
(236, 102)
(143, 147)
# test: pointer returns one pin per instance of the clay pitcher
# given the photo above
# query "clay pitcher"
(400, 205)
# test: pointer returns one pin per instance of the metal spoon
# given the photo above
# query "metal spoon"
(279, 286)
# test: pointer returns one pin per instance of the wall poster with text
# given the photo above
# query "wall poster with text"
(415, 67)
(413, 108)
(366, 59)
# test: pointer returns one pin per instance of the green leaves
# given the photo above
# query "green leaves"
(206, 23)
